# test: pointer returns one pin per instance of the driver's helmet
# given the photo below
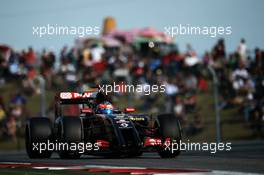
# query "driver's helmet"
(105, 108)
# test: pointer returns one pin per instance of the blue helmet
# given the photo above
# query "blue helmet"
(105, 108)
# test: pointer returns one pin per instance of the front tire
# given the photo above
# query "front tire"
(169, 128)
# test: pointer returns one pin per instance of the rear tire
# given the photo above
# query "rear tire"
(169, 127)
(70, 131)
(38, 130)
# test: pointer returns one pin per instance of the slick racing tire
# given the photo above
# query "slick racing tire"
(38, 130)
(169, 128)
(70, 131)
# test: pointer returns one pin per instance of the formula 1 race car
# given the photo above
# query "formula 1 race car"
(108, 131)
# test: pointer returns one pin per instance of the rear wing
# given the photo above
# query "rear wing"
(76, 97)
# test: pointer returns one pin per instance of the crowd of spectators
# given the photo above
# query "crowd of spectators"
(240, 77)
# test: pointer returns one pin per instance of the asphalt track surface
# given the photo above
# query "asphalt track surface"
(244, 157)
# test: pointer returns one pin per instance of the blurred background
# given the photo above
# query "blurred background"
(132, 48)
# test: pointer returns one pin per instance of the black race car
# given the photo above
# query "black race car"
(102, 129)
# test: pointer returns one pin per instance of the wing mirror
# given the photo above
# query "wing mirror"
(128, 110)
(86, 110)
